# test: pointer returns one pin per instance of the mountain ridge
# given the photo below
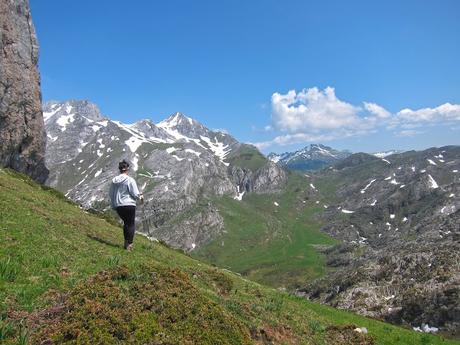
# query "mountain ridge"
(178, 164)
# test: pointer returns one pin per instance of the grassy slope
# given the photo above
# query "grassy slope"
(63, 276)
(247, 157)
(274, 245)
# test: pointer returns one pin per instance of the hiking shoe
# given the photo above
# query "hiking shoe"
(129, 247)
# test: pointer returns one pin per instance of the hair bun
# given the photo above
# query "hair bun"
(123, 166)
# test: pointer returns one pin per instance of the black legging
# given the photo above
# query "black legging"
(128, 215)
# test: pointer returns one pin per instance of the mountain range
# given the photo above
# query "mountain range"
(178, 163)
(377, 234)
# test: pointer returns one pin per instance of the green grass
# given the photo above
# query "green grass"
(73, 283)
(8, 269)
(247, 157)
(273, 245)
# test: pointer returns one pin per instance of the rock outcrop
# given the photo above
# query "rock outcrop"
(267, 179)
(22, 146)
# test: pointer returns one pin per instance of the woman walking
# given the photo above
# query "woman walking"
(123, 196)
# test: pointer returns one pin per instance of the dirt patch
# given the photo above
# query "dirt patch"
(274, 335)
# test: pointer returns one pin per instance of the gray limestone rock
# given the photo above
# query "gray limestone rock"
(21, 122)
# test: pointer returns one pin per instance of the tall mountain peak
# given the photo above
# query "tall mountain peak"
(177, 119)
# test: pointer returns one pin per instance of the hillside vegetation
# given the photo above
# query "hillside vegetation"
(64, 278)
(272, 238)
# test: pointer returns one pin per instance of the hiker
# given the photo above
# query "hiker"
(123, 196)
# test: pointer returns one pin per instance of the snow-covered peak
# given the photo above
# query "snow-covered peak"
(81, 120)
(184, 128)
(310, 157)
(175, 120)
(324, 150)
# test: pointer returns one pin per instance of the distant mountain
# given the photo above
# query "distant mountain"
(178, 163)
(312, 157)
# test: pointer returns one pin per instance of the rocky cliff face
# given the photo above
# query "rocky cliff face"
(179, 164)
(21, 122)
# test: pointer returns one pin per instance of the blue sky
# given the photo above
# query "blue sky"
(359, 75)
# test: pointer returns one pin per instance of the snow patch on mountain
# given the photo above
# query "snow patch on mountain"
(134, 143)
(239, 196)
(433, 183)
(198, 154)
(64, 120)
(384, 154)
(219, 149)
(52, 138)
(48, 114)
(368, 185)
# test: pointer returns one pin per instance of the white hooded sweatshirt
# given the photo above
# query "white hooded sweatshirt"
(123, 191)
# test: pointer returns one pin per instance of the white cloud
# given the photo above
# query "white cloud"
(377, 110)
(408, 133)
(312, 109)
(314, 115)
(445, 112)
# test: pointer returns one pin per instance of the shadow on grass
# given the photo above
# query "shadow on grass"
(103, 241)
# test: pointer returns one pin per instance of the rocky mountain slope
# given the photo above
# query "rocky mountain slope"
(178, 163)
(399, 220)
(312, 157)
(22, 144)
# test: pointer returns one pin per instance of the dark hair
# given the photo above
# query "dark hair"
(123, 166)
